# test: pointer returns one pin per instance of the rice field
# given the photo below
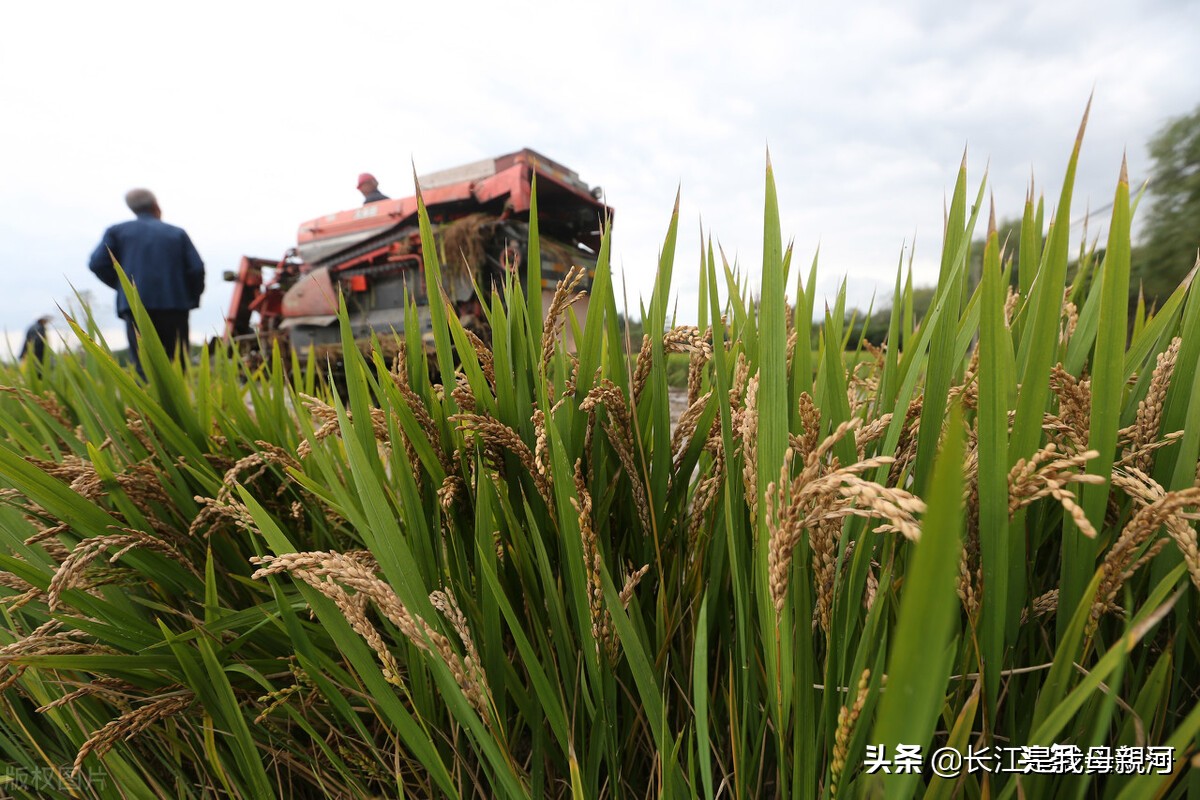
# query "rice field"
(828, 567)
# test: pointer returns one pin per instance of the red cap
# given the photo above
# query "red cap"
(364, 177)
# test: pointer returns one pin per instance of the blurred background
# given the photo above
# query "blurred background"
(248, 118)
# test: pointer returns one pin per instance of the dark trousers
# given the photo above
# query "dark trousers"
(171, 325)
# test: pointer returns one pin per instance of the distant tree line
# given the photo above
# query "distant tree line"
(1164, 254)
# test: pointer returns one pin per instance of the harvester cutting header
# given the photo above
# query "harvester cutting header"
(373, 256)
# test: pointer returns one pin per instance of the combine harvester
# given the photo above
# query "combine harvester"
(373, 257)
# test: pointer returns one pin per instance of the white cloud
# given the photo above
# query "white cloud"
(249, 118)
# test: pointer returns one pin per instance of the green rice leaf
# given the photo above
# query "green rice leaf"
(919, 663)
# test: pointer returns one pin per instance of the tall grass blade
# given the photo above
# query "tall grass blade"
(920, 661)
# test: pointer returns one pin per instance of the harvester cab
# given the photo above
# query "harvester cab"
(372, 256)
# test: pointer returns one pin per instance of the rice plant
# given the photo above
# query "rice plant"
(530, 580)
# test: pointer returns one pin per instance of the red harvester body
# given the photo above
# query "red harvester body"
(373, 256)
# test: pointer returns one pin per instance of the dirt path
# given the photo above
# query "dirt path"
(678, 400)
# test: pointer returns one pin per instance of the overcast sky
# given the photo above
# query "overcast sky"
(247, 118)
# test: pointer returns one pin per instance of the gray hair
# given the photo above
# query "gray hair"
(141, 201)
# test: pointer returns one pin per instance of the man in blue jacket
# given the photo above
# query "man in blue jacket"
(161, 261)
(35, 340)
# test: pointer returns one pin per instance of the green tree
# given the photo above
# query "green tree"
(877, 326)
(634, 327)
(1171, 237)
